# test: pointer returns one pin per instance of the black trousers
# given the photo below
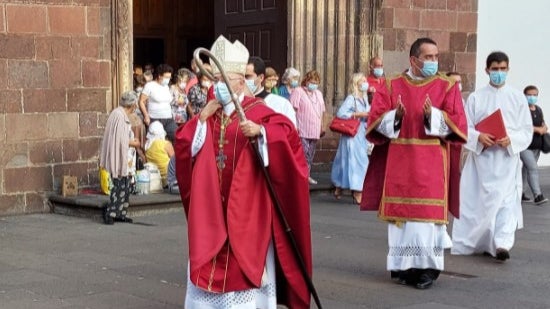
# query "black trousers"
(119, 198)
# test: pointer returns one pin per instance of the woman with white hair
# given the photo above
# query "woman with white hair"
(289, 81)
(350, 164)
(158, 150)
(117, 140)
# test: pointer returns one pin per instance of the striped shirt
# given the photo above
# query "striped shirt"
(309, 107)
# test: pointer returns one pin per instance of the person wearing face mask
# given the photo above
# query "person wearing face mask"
(490, 185)
(412, 121)
(155, 101)
(180, 101)
(239, 256)
(376, 77)
(290, 81)
(271, 80)
(309, 104)
(351, 161)
(255, 80)
(530, 156)
(118, 141)
(199, 92)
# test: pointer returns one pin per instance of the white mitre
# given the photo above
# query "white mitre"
(232, 56)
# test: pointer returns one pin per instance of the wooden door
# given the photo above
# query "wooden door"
(261, 25)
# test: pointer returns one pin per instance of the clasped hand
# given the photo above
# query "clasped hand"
(488, 140)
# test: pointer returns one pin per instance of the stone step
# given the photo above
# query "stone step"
(91, 205)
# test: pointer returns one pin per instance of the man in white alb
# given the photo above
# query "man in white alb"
(491, 183)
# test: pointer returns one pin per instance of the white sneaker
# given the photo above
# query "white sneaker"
(312, 181)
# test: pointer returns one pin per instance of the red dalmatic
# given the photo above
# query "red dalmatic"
(415, 177)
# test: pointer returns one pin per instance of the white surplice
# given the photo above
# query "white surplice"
(491, 185)
(416, 244)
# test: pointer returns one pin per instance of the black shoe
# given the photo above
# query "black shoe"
(524, 198)
(398, 277)
(425, 281)
(125, 219)
(540, 199)
(106, 218)
(502, 254)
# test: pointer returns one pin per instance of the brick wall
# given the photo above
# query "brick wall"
(451, 23)
(55, 83)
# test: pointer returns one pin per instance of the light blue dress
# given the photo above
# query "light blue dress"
(351, 161)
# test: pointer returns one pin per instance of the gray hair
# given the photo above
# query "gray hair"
(128, 98)
(289, 74)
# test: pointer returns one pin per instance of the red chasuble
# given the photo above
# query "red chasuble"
(415, 177)
(230, 214)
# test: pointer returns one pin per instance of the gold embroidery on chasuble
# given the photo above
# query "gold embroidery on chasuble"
(416, 204)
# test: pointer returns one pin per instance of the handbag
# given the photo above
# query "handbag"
(343, 126)
(347, 127)
(545, 148)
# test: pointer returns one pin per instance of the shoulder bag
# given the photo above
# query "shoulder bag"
(343, 126)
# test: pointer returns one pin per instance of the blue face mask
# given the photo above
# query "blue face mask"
(364, 87)
(312, 86)
(429, 68)
(222, 93)
(251, 85)
(165, 81)
(532, 99)
(378, 72)
(498, 77)
(294, 84)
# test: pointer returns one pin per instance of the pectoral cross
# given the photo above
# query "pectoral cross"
(220, 158)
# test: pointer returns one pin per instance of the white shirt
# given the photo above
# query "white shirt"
(281, 106)
(159, 99)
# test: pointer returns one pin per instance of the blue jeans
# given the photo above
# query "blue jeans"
(530, 170)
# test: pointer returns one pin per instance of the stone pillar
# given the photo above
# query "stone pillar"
(122, 48)
(336, 38)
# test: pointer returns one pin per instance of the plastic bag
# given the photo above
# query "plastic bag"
(105, 181)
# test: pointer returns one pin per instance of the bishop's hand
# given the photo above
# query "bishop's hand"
(209, 110)
(250, 128)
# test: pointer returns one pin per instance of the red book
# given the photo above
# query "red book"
(493, 124)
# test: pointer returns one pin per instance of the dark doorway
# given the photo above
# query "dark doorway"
(260, 24)
(181, 26)
(175, 28)
(149, 50)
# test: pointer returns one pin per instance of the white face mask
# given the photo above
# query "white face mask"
(182, 85)
(206, 84)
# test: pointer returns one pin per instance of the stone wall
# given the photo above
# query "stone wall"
(55, 84)
(451, 23)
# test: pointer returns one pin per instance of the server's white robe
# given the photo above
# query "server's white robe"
(491, 185)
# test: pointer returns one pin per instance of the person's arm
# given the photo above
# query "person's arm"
(169, 149)
(543, 128)
(390, 126)
(143, 108)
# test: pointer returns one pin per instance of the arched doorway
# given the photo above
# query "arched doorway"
(170, 30)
